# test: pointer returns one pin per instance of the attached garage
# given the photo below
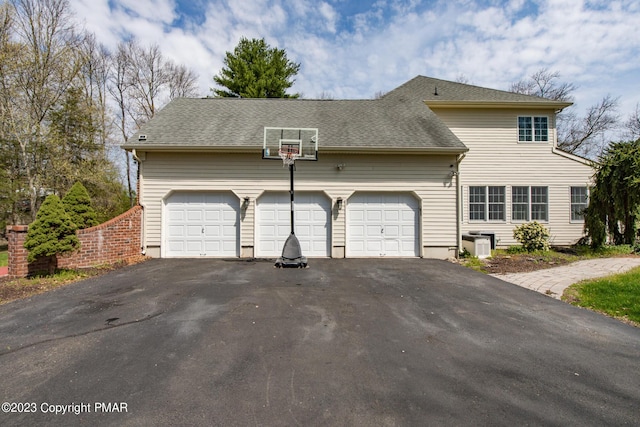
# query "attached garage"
(382, 224)
(312, 223)
(202, 224)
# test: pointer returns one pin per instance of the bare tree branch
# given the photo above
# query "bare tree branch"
(632, 124)
(582, 135)
(543, 83)
(183, 82)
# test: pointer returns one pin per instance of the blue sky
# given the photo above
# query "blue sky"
(355, 49)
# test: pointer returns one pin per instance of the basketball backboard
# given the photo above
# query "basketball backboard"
(302, 143)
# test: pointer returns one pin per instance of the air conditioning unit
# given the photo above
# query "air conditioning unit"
(477, 245)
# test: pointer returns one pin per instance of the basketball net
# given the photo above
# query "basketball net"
(288, 155)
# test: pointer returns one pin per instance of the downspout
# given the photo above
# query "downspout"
(143, 249)
(459, 203)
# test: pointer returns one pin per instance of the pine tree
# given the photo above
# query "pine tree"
(51, 233)
(77, 204)
(614, 205)
(256, 70)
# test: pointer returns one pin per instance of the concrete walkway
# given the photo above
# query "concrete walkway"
(553, 281)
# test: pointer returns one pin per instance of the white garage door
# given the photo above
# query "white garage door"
(312, 223)
(202, 224)
(382, 225)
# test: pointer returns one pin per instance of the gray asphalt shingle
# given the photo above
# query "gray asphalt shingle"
(398, 120)
(431, 89)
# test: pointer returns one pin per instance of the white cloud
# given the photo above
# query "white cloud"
(594, 44)
(152, 10)
(330, 16)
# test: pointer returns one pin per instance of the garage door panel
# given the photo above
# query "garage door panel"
(392, 215)
(373, 215)
(312, 223)
(194, 246)
(176, 215)
(408, 216)
(391, 231)
(392, 246)
(356, 215)
(408, 231)
(229, 232)
(211, 216)
(193, 230)
(373, 230)
(176, 231)
(381, 224)
(194, 215)
(374, 247)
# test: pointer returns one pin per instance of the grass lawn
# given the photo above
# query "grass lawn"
(617, 296)
(4, 258)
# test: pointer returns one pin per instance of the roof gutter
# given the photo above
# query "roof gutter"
(558, 105)
(332, 149)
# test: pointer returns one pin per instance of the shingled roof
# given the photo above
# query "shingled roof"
(436, 91)
(398, 121)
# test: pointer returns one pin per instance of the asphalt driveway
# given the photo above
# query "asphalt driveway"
(344, 342)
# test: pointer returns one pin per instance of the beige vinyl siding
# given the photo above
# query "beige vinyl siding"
(247, 175)
(496, 158)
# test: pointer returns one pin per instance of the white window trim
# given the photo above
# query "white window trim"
(533, 135)
(571, 220)
(529, 205)
(486, 205)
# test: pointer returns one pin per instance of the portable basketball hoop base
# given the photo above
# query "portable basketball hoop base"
(291, 254)
(290, 144)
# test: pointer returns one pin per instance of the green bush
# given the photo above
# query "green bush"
(51, 233)
(533, 236)
(77, 203)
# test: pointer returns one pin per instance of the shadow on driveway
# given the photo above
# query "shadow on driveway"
(344, 342)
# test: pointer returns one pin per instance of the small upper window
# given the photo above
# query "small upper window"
(533, 129)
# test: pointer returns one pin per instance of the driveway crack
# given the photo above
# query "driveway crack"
(108, 326)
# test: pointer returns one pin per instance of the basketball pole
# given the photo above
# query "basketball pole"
(291, 193)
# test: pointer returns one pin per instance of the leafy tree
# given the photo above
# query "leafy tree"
(614, 205)
(77, 204)
(51, 233)
(256, 70)
(57, 125)
(73, 148)
(40, 66)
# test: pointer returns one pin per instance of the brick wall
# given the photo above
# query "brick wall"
(107, 243)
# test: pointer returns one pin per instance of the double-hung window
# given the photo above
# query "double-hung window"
(579, 201)
(529, 203)
(486, 203)
(520, 203)
(533, 129)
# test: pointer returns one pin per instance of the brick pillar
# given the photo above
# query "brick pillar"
(18, 265)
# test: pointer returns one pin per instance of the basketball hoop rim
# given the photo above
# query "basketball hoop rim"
(288, 157)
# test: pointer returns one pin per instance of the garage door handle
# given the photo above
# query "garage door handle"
(203, 230)
(382, 230)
